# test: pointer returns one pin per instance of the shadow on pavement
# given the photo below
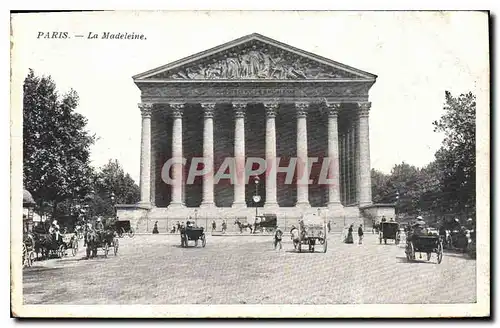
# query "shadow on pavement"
(402, 259)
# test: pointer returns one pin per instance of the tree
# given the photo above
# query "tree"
(56, 146)
(456, 158)
(112, 180)
(380, 187)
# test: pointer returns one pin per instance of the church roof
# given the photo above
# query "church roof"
(255, 57)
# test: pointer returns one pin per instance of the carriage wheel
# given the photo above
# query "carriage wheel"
(25, 254)
(131, 232)
(121, 231)
(31, 258)
(115, 245)
(74, 249)
(203, 241)
(106, 249)
(440, 252)
(325, 246)
(61, 251)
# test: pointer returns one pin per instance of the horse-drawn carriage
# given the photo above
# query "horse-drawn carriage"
(423, 242)
(51, 244)
(389, 230)
(265, 223)
(192, 233)
(104, 240)
(123, 227)
(311, 232)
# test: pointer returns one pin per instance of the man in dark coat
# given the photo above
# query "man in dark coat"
(360, 234)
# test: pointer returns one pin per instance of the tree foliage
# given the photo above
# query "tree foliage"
(56, 156)
(56, 145)
(456, 158)
(446, 185)
(111, 181)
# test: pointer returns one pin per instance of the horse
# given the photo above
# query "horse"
(243, 226)
(295, 237)
(91, 241)
(45, 243)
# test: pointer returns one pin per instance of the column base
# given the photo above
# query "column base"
(176, 205)
(207, 205)
(303, 205)
(239, 205)
(362, 204)
(144, 204)
(271, 205)
(334, 205)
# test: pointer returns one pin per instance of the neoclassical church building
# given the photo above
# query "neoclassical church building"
(253, 97)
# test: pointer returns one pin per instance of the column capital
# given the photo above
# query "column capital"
(364, 107)
(332, 109)
(301, 108)
(177, 109)
(208, 109)
(146, 109)
(271, 109)
(239, 109)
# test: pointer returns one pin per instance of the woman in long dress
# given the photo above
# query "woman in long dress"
(349, 239)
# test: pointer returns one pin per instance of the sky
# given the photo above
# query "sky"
(416, 55)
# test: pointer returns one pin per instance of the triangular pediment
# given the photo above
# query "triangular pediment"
(255, 57)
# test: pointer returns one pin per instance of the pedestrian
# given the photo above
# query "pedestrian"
(349, 238)
(360, 234)
(224, 226)
(277, 237)
(155, 228)
(214, 225)
(329, 225)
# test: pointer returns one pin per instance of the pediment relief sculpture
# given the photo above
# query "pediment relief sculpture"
(258, 64)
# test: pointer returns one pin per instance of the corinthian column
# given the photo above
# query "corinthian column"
(208, 155)
(271, 109)
(145, 181)
(365, 185)
(239, 154)
(333, 156)
(302, 156)
(177, 167)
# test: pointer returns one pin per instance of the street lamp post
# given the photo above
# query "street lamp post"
(113, 202)
(256, 197)
(397, 205)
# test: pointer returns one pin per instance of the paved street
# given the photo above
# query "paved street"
(153, 269)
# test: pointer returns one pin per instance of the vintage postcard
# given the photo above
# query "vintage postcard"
(250, 164)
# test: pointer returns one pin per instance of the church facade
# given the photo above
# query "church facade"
(252, 98)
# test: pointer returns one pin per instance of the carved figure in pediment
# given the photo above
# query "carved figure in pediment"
(278, 68)
(213, 71)
(233, 68)
(254, 63)
(265, 70)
